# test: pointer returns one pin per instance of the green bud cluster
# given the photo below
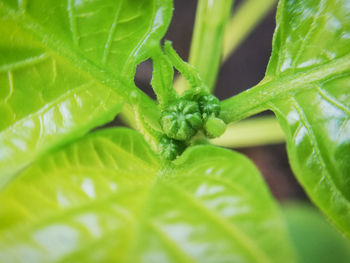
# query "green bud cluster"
(196, 109)
(181, 120)
(209, 105)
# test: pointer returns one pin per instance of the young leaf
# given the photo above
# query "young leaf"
(162, 78)
(66, 66)
(106, 199)
(307, 85)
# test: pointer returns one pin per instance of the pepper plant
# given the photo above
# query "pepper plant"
(160, 191)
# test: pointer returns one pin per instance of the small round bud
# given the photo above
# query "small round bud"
(209, 105)
(214, 127)
(169, 148)
(181, 120)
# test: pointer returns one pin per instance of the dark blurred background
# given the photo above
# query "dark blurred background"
(244, 69)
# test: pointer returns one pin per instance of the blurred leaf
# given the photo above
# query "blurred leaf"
(207, 41)
(106, 199)
(65, 68)
(315, 240)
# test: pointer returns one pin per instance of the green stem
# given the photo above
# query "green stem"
(244, 20)
(258, 98)
(252, 132)
(187, 70)
(206, 47)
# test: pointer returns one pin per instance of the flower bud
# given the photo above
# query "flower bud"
(209, 105)
(169, 148)
(214, 127)
(181, 120)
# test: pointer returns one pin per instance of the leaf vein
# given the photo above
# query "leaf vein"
(24, 63)
(125, 152)
(72, 22)
(243, 240)
(11, 88)
(333, 101)
(109, 40)
(170, 244)
(311, 29)
(314, 144)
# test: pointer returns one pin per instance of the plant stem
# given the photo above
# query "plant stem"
(251, 132)
(258, 98)
(244, 20)
(206, 47)
(187, 71)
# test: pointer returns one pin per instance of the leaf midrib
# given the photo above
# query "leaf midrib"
(233, 232)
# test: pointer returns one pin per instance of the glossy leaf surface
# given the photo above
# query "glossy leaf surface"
(106, 199)
(315, 36)
(65, 67)
(307, 85)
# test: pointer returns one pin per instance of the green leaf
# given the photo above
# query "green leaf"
(66, 67)
(314, 35)
(106, 199)
(314, 238)
(307, 85)
(162, 78)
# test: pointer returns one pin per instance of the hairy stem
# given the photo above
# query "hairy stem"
(187, 70)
